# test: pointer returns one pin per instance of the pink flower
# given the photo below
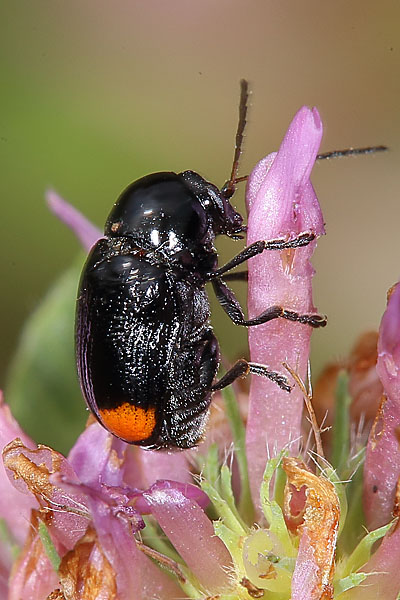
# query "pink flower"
(86, 498)
(282, 204)
(382, 464)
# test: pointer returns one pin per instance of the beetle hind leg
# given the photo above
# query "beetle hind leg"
(242, 368)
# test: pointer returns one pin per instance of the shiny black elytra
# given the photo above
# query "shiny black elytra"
(146, 353)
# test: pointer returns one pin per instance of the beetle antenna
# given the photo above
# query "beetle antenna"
(351, 152)
(333, 154)
(229, 188)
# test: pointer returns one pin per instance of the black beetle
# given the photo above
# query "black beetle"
(146, 353)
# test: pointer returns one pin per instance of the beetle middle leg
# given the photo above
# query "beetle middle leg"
(258, 247)
(242, 368)
(231, 306)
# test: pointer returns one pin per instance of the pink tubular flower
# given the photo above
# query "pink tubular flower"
(282, 204)
(382, 464)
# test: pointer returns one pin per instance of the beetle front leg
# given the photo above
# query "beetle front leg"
(258, 247)
(231, 306)
(242, 368)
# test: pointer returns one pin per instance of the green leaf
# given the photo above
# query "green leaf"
(42, 387)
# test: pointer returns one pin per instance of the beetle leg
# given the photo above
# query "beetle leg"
(242, 368)
(257, 247)
(231, 306)
(208, 360)
(236, 276)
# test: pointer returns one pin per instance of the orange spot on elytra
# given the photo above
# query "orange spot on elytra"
(129, 422)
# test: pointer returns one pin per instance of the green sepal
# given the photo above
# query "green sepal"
(271, 509)
(233, 540)
(341, 424)
(340, 489)
(49, 546)
(246, 507)
(354, 529)
(362, 553)
(210, 466)
(223, 510)
(349, 582)
(227, 493)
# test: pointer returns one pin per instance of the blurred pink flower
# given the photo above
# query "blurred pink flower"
(382, 464)
(85, 231)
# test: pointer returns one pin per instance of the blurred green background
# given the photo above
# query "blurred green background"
(95, 94)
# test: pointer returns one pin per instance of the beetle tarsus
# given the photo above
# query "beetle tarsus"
(242, 368)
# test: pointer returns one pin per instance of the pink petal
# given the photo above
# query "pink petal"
(136, 576)
(192, 534)
(33, 576)
(120, 548)
(143, 467)
(85, 231)
(33, 583)
(382, 464)
(30, 471)
(306, 576)
(157, 583)
(164, 465)
(4, 583)
(98, 457)
(282, 203)
(15, 508)
(6, 561)
(191, 492)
